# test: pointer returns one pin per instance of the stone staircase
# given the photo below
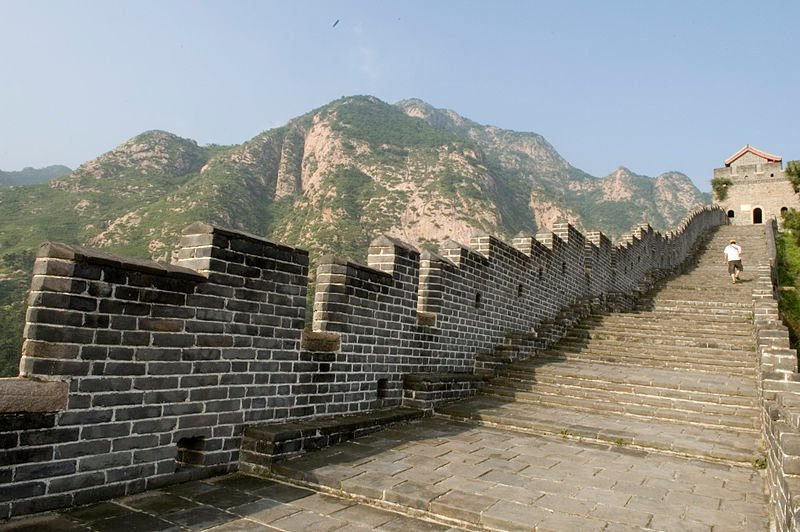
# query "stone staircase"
(645, 420)
(684, 358)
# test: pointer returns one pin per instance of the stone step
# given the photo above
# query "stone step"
(617, 402)
(712, 388)
(264, 444)
(633, 352)
(705, 442)
(673, 339)
(689, 307)
(635, 359)
(730, 334)
(671, 306)
(655, 320)
(704, 353)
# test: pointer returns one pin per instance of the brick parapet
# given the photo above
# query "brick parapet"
(165, 364)
(780, 396)
(161, 361)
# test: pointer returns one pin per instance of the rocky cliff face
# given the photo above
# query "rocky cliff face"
(334, 178)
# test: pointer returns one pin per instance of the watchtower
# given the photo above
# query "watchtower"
(757, 187)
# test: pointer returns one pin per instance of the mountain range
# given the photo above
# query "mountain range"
(328, 181)
(31, 176)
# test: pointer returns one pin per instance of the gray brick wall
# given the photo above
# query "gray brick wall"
(780, 398)
(166, 364)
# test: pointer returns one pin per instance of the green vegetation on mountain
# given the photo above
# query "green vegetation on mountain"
(328, 181)
(788, 250)
(32, 176)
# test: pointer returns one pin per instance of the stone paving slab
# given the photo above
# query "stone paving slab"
(507, 481)
(543, 475)
(234, 502)
(666, 436)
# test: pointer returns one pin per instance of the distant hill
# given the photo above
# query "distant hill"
(328, 181)
(32, 176)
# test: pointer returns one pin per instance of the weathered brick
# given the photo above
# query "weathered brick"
(211, 366)
(155, 454)
(49, 366)
(123, 322)
(48, 333)
(139, 471)
(33, 348)
(26, 455)
(48, 436)
(179, 409)
(47, 283)
(44, 470)
(83, 448)
(105, 461)
(40, 504)
(173, 340)
(167, 396)
(106, 430)
(198, 420)
(211, 340)
(163, 298)
(164, 424)
(108, 337)
(137, 412)
(135, 309)
(128, 293)
(205, 327)
(66, 301)
(141, 441)
(80, 481)
(100, 289)
(155, 383)
(120, 368)
(54, 316)
(208, 393)
(99, 493)
(223, 406)
(121, 353)
(96, 321)
(161, 324)
(84, 417)
(201, 354)
(170, 311)
(135, 338)
(21, 490)
(169, 368)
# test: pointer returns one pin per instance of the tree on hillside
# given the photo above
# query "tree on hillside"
(793, 172)
(791, 217)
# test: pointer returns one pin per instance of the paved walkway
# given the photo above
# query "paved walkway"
(230, 503)
(502, 480)
(551, 471)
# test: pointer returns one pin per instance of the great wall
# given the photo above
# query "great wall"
(137, 375)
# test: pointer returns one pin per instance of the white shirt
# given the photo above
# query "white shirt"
(733, 252)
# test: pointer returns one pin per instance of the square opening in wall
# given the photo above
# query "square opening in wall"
(190, 452)
(383, 386)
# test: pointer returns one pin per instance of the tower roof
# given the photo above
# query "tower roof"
(755, 151)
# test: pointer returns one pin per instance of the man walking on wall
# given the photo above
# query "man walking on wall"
(733, 256)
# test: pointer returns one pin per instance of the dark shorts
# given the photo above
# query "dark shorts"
(734, 265)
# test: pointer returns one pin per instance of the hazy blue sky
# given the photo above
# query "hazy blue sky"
(651, 85)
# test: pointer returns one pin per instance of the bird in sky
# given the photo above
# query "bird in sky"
(335, 23)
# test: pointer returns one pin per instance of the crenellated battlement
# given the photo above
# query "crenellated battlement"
(152, 371)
